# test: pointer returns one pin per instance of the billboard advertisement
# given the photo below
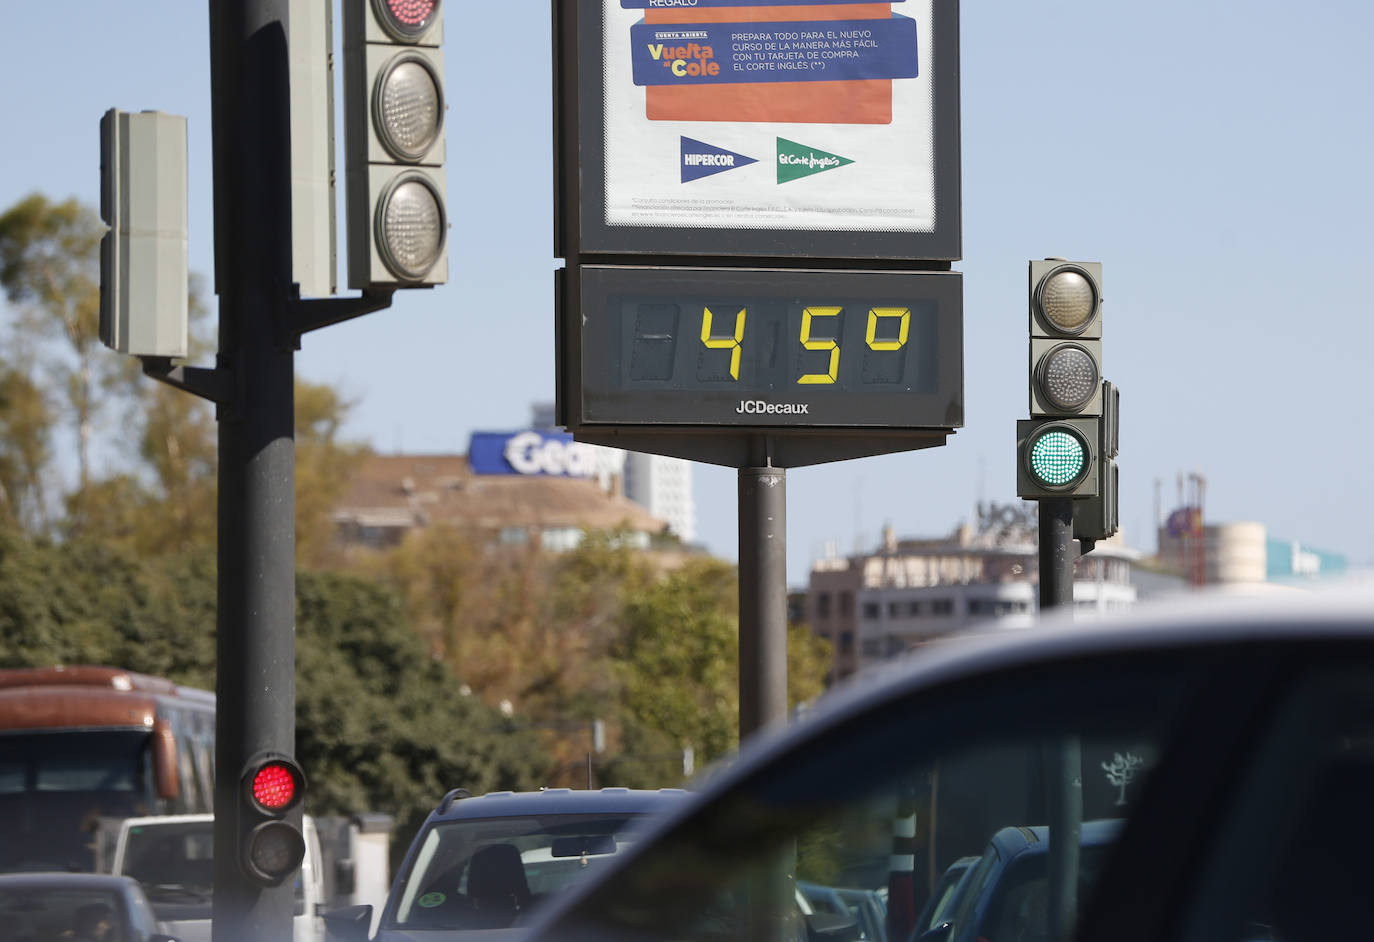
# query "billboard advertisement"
(749, 114)
(545, 453)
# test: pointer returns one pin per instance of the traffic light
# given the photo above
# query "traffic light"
(1097, 517)
(1065, 338)
(1057, 458)
(1059, 448)
(394, 121)
(270, 846)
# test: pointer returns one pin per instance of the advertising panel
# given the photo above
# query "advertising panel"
(740, 114)
(766, 128)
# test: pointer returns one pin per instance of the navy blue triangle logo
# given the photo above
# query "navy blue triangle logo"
(701, 160)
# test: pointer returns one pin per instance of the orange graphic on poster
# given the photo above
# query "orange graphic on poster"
(862, 101)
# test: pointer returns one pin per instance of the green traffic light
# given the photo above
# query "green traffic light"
(1058, 458)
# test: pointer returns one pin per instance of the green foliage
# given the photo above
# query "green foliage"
(677, 660)
(380, 724)
(50, 268)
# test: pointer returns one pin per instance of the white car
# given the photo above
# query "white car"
(172, 856)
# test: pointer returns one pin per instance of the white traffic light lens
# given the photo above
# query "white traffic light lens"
(1068, 300)
(1068, 377)
(407, 19)
(411, 227)
(1058, 458)
(409, 107)
(275, 849)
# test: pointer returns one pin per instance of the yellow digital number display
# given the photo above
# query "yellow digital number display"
(822, 329)
(733, 343)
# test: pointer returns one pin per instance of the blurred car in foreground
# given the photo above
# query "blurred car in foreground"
(479, 867)
(81, 907)
(1232, 740)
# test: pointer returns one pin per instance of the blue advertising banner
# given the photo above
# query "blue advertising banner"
(803, 51)
(545, 453)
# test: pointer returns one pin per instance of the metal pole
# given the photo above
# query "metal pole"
(1056, 552)
(762, 597)
(255, 681)
(1063, 759)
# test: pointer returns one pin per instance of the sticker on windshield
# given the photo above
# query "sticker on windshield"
(430, 900)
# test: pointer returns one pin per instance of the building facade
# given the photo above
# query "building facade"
(663, 486)
(871, 606)
(391, 495)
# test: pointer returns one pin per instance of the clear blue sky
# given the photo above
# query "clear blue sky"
(1216, 157)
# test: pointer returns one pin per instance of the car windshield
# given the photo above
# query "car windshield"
(879, 810)
(172, 858)
(492, 872)
(72, 913)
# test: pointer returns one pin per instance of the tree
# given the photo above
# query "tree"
(324, 466)
(25, 449)
(50, 268)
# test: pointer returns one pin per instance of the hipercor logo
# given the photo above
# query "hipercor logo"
(701, 160)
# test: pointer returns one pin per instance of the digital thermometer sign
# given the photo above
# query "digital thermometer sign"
(766, 348)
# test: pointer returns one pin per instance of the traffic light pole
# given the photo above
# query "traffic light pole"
(255, 683)
(1056, 552)
(1063, 757)
(762, 596)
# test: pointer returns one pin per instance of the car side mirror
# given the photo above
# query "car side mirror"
(938, 933)
(349, 924)
(832, 927)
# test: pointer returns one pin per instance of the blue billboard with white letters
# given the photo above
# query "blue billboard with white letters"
(543, 453)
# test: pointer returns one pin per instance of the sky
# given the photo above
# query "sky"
(1215, 157)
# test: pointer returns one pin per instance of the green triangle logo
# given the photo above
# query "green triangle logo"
(797, 160)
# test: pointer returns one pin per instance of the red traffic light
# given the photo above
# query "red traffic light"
(274, 786)
(273, 783)
(409, 17)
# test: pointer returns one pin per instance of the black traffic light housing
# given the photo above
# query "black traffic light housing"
(271, 845)
(1057, 458)
(394, 108)
(1059, 450)
(1065, 338)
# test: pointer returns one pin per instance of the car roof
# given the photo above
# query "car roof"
(1018, 841)
(1194, 620)
(59, 878)
(556, 801)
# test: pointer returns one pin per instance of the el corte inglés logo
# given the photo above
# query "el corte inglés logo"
(797, 160)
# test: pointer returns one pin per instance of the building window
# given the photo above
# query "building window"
(913, 608)
(942, 607)
(823, 604)
(846, 603)
(894, 609)
(846, 642)
(871, 610)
